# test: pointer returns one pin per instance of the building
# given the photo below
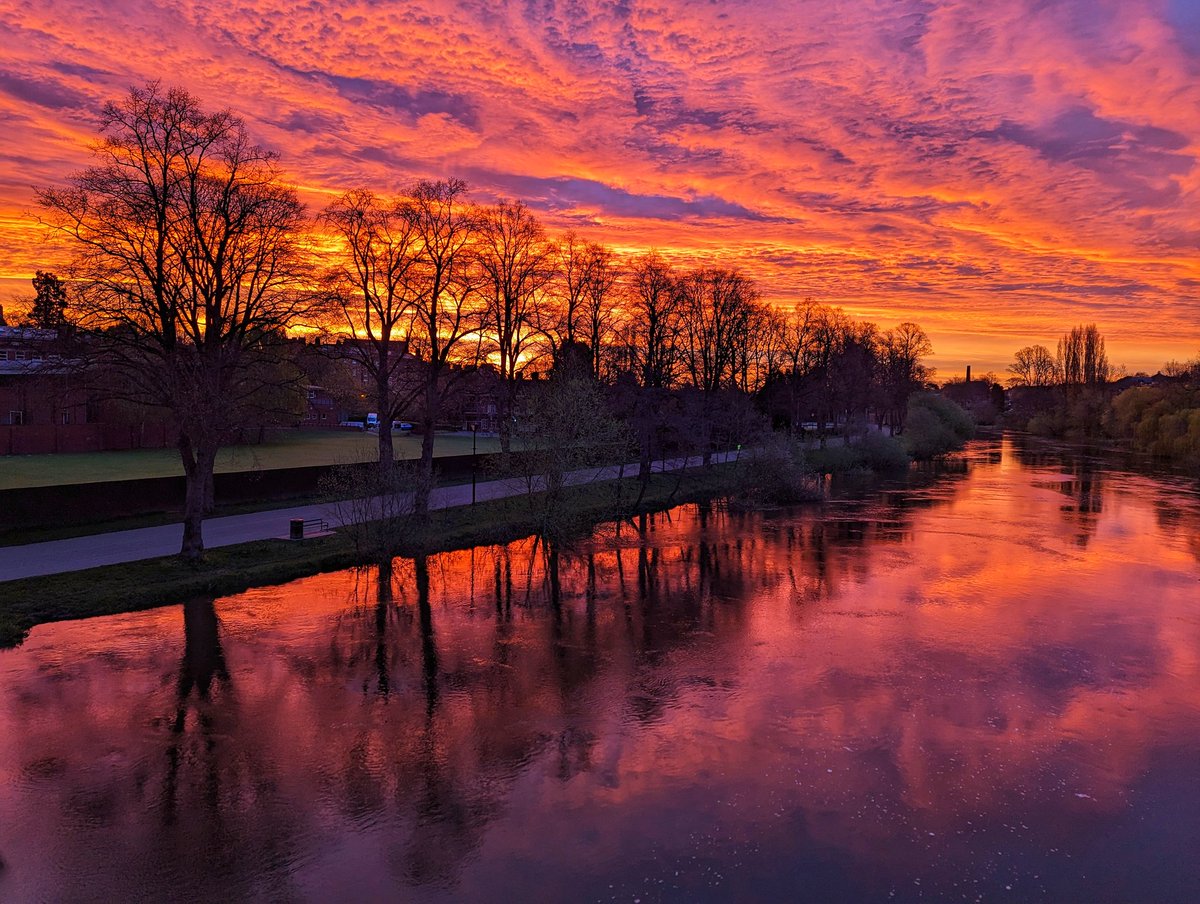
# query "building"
(38, 386)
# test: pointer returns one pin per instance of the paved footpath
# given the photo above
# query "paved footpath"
(116, 547)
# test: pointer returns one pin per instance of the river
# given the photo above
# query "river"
(983, 684)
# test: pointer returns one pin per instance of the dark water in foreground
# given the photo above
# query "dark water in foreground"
(981, 687)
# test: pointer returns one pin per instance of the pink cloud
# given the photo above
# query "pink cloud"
(1002, 170)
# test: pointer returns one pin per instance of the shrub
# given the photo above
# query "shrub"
(12, 630)
(883, 454)
(374, 511)
(874, 452)
(775, 472)
(834, 460)
(1163, 422)
(935, 425)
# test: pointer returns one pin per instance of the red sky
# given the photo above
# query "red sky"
(996, 171)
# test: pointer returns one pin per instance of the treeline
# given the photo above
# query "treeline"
(1074, 394)
(195, 259)
(1080, 360)
(502, 293)
(1162, 420)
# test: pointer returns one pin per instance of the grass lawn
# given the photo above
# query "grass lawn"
(292, 450)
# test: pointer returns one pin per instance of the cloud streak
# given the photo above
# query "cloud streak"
(1000, 170)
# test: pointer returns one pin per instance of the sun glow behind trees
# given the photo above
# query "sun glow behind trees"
(990, 171)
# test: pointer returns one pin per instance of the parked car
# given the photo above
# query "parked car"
(402, 426)
(354, 425)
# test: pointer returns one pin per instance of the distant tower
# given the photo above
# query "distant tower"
(968, 373)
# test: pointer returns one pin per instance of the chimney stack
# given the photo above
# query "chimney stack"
(968, 373)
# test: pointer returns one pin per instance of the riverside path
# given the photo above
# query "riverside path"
(117, 547)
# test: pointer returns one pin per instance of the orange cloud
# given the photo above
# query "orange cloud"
(996, 172)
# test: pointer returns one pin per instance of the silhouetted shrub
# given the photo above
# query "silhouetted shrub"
(774, 472)
(882, 454)
(873, 452)
(12, 630)
(935, 425)
(375, 512)
(834, 460)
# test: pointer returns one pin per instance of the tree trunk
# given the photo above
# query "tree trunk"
(210, 500)
(387, 453)
(425, 484)
(383, 405)
(198, 471)
(505, 416)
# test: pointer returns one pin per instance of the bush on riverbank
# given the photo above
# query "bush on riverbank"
(1077, 415)
(1161, 421)
(882, 454)
(12, 630)
(934, 426)
(874, 453)
(375, 510)
(775, 472)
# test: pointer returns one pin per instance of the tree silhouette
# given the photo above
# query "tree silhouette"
(372, 293)
(188, 264)
(49, 309)
(1033, 366)
(446, 315)
(516, 263)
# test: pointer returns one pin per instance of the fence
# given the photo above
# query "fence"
(82, 503)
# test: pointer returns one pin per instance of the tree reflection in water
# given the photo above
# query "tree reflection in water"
(815, 690)
(203, 662)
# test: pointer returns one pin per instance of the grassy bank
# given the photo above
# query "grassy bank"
(20, 536)
(297, 449)
(156, 582)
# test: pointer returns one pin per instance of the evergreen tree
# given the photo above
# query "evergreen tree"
(49, 311)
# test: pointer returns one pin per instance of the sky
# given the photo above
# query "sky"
(997, 172)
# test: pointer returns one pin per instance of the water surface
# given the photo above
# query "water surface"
(983, 685)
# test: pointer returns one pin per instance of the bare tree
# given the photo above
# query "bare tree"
(601, 285)
(447, 311)
(373, 288)
(572, 431)
(573, 273)
(653, 321)
(516, 264)
(799, 335)
(717, 306)
(188, 259)
(1082, 360)
(651, 327)
(1033, 366)
(764, 352)
(900, 371)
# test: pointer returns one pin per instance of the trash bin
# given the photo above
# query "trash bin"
(297, 529)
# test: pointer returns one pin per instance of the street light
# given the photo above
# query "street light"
(474, 458)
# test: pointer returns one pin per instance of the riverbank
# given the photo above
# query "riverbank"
(150, 583)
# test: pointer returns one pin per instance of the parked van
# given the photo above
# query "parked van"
(372, 421)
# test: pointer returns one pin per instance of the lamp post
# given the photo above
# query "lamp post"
(474, 458)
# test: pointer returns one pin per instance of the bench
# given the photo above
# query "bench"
(299, 527)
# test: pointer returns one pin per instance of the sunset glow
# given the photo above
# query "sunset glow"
(996, 172)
